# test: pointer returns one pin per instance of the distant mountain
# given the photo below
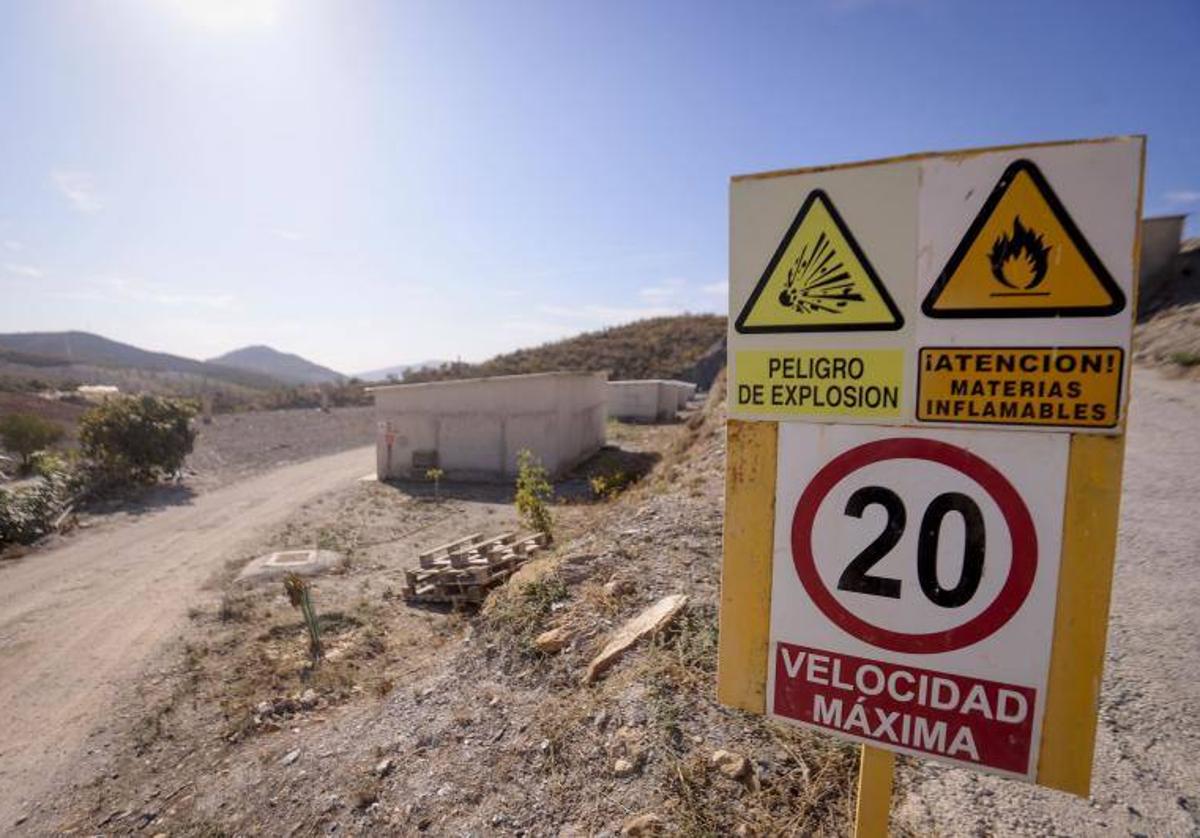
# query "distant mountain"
(399, 370)
(689, 347)
(283, 366)
(86, 349)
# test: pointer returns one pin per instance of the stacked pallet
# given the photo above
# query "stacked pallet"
(462, 572)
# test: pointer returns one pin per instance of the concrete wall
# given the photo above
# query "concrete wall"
(1161, 237)
(685, 390)
(650, 400)
(474, 428)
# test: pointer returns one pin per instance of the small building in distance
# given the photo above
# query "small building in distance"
(649, 400)
(473, 428)
(97, 393)
(1162, 236)
(685, 390)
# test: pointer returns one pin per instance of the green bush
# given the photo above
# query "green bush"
(25, 434)
(138, 439)
(28, 513)
(533, 493)
(51, 463)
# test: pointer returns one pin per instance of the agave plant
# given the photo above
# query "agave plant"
(298, 594)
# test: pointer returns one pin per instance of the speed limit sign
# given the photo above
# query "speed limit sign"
(914, 585)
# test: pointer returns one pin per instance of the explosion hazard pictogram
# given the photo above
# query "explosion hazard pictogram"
(819, 280)
(1023, 256)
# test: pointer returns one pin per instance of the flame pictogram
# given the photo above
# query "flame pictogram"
(1019, 261)
(818, 281)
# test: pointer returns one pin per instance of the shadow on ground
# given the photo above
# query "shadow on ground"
(575, 487)
(453, 490)
(143, 500)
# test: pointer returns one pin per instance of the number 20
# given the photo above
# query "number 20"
(855, 577)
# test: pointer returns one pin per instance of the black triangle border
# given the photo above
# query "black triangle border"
(1073, 233)
(814, 196)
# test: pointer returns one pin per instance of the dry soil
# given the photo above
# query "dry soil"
(79, 620)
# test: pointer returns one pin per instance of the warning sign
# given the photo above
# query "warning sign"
(1073, 387)
(921, 491)
(1023, 256)
(819, 280)
(844, 382)
(914, 586)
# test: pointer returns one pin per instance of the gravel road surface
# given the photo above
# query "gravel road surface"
(81, 619)
(1147, 772)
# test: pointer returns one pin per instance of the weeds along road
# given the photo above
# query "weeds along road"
(79, 620)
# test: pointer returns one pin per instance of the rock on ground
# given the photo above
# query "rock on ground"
(553, 640)
(648, 623)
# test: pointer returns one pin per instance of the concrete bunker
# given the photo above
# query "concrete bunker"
(648, 400)
(686, 390)
(473, 429)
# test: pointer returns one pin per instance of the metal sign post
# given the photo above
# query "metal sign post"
(929, 364)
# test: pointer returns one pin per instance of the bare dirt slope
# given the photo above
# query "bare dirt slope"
(79, 619)
(1171, 339)
(1147, 777)
(236, 445)
(425, 721)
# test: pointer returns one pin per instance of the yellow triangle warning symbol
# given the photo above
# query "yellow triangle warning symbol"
(819, 280)
(1023, 256)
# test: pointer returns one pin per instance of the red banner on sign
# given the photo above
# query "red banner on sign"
(951, 716)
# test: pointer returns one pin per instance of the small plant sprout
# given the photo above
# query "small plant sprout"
(435, 474)
(608, 486)
(298, 595)
(534, 493)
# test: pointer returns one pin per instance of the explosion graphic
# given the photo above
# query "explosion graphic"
(1019, 261)
(818, 281)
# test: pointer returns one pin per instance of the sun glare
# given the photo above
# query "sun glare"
(228, 14)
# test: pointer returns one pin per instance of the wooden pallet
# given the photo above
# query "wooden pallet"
(464, 571)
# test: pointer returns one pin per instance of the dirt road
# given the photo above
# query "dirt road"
(78, 621)
(1146, 779)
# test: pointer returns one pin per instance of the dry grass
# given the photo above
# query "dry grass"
(803, 783)
(518, 613)
(659, 347)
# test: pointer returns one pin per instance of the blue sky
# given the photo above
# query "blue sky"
(368, 183)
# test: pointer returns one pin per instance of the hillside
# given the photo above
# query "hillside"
(284, 366)
(399, 370)
(661, 347)
(78, 356)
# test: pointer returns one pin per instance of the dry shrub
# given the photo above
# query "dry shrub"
(234, 608)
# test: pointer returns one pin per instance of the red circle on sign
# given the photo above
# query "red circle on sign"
(1020, 527)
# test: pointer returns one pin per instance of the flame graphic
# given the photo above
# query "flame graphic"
(1019, 261)
(817, 281)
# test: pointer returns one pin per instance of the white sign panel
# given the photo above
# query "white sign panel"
(914, 585)
(990, 288)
